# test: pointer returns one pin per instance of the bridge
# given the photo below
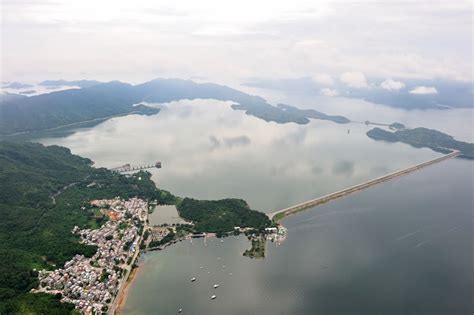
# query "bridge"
(128, 168)
(278, 215)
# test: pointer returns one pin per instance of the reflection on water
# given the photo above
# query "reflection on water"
(404, 247)
(210, 151)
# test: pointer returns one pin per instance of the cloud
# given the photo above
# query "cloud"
(345, 168)
(424, 90)
(354, 79)
(215, 143)
(329, 92)
(323, 79)
(229, 142)
(237, 141)
(392, 85)
(165, 39)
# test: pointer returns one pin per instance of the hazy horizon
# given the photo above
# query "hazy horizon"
(230, 43)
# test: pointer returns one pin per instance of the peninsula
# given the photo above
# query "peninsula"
(425, 138)
(61, 219)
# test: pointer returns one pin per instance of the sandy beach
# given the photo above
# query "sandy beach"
(124, 294)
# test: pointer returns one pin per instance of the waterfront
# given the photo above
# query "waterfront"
(389, 249)
(340, 257)
(210, 151)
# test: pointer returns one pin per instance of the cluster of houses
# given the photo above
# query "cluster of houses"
(92, 283)
(159, 232)
(276, 234)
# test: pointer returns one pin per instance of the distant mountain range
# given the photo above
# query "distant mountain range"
(97, 100)
(403, 93)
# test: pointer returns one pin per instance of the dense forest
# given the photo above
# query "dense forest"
(221, 216)
(424, 138)
(44, 193)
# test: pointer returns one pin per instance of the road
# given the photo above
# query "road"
(338, 194)
(123, 283)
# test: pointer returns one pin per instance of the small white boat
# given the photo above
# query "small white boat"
(193, 279)
(218, 258)
(230, 273)
(180, 310)
(213, 297)
(201, 267)
(222, 241)
(223, 266)
(216, 286)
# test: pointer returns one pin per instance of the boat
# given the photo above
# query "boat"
(193, 279)
(180, 310)
(216, 286)
(201, 267)
(222, 241)
(213, 297)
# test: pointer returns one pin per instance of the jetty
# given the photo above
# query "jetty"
(128, 168)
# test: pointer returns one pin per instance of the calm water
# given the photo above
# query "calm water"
(165, 214)
(210, 151)
(404, 247)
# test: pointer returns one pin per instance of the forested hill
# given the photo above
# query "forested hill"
(425, 138)
(102, 100)
(35, 231)
(61, 108)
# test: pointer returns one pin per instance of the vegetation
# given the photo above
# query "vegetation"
(35, 228)
(257, 250)
(221, 216)
(168, 238)
(397, 126)
(46, 191)
(311, 113)
(69, 107)
(424, 138)
(81, 106)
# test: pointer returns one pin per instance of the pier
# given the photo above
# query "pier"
(278, 215)
(128, 168)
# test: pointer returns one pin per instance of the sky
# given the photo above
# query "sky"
(234, 41)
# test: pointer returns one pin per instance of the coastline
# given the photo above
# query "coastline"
(122, 298)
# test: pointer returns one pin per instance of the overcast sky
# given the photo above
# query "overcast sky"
(231, 41)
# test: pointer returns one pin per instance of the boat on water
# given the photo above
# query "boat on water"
(216, 286)
(213, 297)
(222, 241)
(193, 279)
(180, 310)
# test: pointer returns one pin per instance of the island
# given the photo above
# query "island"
(424, 138)
(257, 251)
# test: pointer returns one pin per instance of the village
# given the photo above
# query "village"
(91, 284)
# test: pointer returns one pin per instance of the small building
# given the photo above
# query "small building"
(271, 230)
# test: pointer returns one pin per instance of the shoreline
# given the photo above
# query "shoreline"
(122, 298)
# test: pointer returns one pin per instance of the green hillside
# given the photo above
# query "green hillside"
(35, 229)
